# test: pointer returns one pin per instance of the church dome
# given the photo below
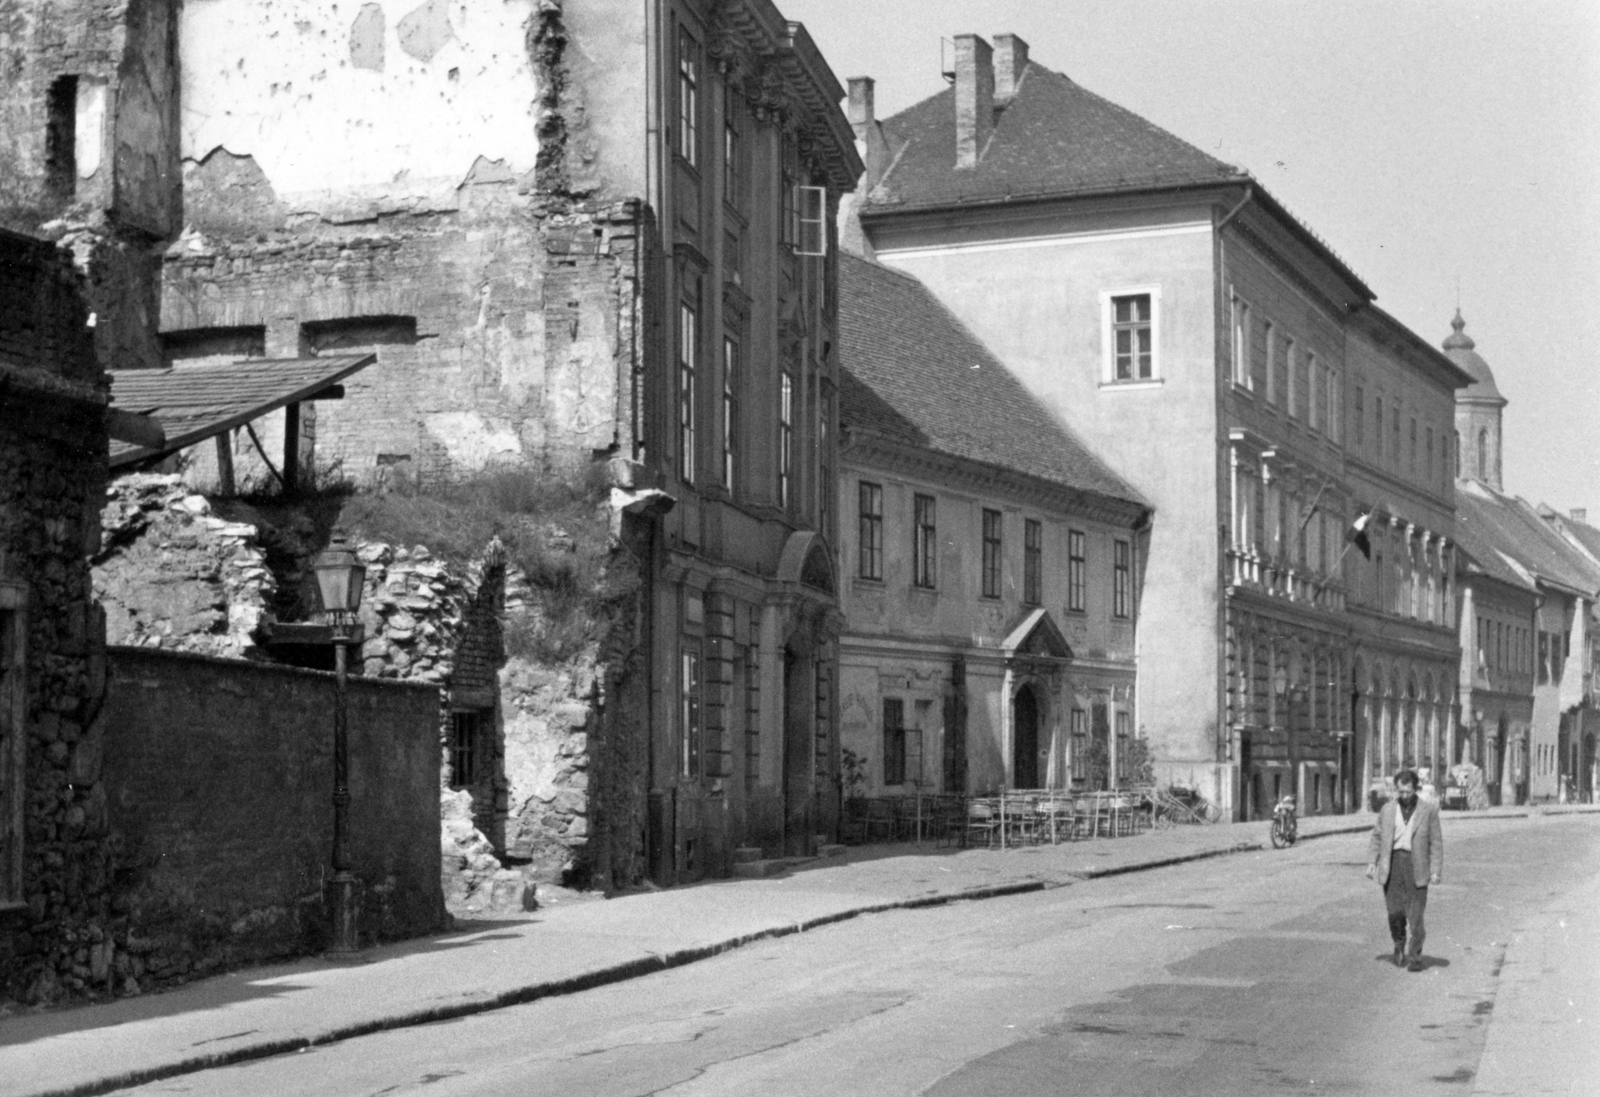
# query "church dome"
(1458, 347)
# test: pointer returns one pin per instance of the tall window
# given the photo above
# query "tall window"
(1413, 445)
(1377, 428)
(464, 740)
(1428, 466)
(871, 518)
(827, 489)
(894, 741)
(1032, 561)
(785, 439)
(730, 410)
(1124, 744)
(688, 98)
(1121, 579)
(1080, 745)
(991, 553)
(1077, 569)
(1132, 337)
(689, 759)
(730, 145)
(1270, 339)
(1314, 409)
(1241, 342)
(1291, 369)
(1483, 454)
(1394, 433)
(688, 351)
(1302, 387)
(924, 541)
(1361, 417)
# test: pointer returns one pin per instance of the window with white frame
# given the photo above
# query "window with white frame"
(688, 355)
(1032, 561)
(688, 98)
(924, 541)
(1131, 328)
(730, 410)
(871, 531)
(1241, 342)
(1269, 337)
(991, 553)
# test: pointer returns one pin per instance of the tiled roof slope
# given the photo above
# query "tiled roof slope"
(914, 374)
(1512, 527)
(1478, 535)
(1054, 137)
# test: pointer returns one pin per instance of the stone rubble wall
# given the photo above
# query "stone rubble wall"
(173, 575)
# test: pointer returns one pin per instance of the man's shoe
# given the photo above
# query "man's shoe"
(1399, 955)
(1415, 965)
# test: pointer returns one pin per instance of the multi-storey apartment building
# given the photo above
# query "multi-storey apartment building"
(1231, 367)
(1529, 592)
(574, 234)
(990, 564)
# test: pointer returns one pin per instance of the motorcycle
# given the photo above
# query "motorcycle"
(1284, 823)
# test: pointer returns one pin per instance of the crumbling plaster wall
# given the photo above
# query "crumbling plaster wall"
(350, 109)
(410, 160)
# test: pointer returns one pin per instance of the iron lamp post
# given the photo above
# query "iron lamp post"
(340, 576)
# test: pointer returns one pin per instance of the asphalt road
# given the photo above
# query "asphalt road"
(1259, 973)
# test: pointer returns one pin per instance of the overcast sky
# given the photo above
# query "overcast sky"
(1431, 143)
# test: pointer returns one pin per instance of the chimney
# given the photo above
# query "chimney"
(1580, 514)
(974, 98)
(870, 141)
(1010, 60)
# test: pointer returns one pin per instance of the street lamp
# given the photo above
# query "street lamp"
(339, 580)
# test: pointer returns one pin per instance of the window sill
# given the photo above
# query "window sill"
(1148, 383)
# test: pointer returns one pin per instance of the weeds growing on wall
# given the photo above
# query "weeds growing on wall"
(556, 534)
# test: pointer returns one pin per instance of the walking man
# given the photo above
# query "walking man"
(1405, 856)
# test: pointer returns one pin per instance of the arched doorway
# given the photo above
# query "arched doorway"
(1025, 739)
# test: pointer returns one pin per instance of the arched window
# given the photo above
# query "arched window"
(1483, 453)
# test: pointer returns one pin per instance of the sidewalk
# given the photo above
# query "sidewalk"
(486, 965)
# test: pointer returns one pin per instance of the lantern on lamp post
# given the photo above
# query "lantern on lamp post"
(340, 576)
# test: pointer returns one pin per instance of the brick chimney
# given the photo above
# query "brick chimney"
(1580, 514)
(1010, 60)
(974, 98)
(870, 141)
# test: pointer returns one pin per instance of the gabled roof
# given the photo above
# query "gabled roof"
(1506, 525)
(193, 403)
(1585, 535)
(1054, 137)
(1037, 634)
(913, 374)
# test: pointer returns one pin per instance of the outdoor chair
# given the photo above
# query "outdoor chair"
(880, 819)
(1021, 817)
(853, 826)
(982, 822)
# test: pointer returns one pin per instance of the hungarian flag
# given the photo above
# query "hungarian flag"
(1357, 534)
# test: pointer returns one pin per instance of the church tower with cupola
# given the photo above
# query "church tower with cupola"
(1478, 411)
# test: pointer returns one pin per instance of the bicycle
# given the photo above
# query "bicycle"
(1285, 828)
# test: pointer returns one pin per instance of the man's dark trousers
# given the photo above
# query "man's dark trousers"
(1405, 902)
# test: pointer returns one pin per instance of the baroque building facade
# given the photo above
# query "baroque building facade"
(991, 565)
(1230, 366)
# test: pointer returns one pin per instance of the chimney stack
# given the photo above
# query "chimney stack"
(1580, 514)
(870, 142)
(974, 98)
(1010, 60)
(861, 106)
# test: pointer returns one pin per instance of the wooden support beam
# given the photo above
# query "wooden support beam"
(225, 462)
(291, 447)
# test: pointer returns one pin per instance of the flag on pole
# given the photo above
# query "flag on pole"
(1357, 534)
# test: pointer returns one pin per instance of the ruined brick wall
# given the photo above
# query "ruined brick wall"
(89, 151)
(220, 777)
(55, 910)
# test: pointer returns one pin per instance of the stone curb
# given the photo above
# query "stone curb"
(634, 969)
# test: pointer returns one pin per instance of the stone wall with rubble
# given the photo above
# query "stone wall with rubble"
(56, 910)
(183, 573)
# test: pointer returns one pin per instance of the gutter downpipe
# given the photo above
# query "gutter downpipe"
(1226, 760)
